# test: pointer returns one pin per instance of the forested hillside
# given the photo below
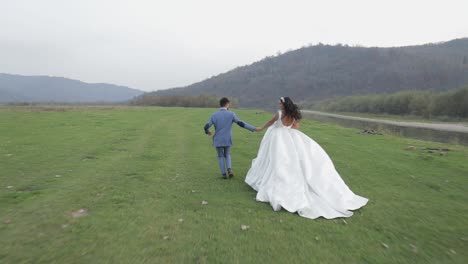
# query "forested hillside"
(323, 71)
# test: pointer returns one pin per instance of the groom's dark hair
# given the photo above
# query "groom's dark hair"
(223, 102)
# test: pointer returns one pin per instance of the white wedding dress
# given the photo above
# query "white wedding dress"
(293, 172)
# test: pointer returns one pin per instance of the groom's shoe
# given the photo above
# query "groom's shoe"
(224, 176)
(230, 173)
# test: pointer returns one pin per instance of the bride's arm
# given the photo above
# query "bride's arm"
(269, 123)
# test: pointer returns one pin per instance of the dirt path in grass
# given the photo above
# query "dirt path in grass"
(450, 127)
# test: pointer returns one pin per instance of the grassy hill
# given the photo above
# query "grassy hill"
(140, 175)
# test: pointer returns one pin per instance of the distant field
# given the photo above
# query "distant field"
(141, 174)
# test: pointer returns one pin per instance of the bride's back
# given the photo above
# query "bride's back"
(285, 120)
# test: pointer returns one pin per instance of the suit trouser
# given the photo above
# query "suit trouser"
(224, 158)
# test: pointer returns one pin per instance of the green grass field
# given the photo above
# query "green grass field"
(142, 174)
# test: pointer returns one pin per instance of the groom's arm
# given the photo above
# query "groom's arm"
(243, 124)
(207, 126)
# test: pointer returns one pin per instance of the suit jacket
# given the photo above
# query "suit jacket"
(222, 121)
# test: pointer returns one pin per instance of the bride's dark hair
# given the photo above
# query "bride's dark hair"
(290, 108)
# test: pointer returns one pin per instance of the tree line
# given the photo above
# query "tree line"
(452, 103)
(179, 101)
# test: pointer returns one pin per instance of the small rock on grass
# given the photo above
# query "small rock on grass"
(244, 227)
(411, 148)
(9, 187)
(180, 220)
(7, 221)
(384, 245)
(204, 202)
(414, 248)
(79, 213)
(166, 237)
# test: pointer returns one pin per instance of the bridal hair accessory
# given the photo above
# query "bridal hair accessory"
(282, 99)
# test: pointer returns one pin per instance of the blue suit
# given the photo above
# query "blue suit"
(222, 139)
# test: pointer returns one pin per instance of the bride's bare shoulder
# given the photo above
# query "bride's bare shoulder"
(295, 124)
(276, 116)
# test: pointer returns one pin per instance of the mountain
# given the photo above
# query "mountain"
(18, 88)
(323, 71)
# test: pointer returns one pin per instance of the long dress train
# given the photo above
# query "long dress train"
(293, 172)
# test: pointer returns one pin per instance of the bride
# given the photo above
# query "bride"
(293, 172)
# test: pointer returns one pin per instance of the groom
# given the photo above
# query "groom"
(222, 139)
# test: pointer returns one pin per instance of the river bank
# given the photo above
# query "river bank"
(456, 133)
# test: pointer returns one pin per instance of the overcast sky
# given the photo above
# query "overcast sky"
(152, 44)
